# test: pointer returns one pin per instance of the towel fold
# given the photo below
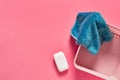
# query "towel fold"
(90, 30)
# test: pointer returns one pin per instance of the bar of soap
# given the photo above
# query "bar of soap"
(60, 61)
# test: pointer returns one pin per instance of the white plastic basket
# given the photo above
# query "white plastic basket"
(106, 64)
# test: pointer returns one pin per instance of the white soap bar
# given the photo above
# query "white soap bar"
(61, 61)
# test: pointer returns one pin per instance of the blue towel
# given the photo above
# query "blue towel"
(90, 30)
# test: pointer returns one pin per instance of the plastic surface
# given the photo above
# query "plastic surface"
(106, 63)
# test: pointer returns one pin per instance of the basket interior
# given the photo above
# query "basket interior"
(107, 61)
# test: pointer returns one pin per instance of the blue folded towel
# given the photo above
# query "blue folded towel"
(90, 30)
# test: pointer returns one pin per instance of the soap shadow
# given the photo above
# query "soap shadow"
(73, 48)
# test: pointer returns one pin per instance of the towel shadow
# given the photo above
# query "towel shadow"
(72, 45)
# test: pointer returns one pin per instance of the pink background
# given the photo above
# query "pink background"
(31, 31)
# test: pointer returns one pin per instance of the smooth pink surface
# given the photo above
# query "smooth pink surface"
(107, 61)
(31, 31)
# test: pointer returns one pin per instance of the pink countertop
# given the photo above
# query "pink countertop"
(31, 31)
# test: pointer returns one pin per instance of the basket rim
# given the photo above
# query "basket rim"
(114, 30)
